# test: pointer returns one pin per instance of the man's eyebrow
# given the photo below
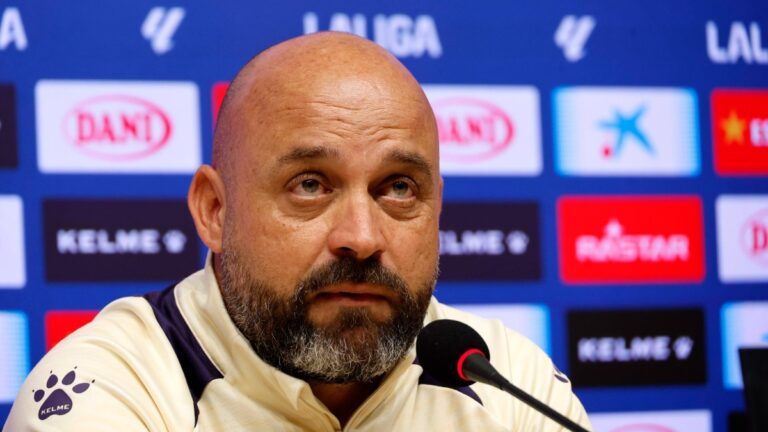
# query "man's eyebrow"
(410, 158)
(300, 154)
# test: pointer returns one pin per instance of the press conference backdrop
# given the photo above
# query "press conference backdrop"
(605, 173)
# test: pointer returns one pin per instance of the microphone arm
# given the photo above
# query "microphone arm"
(476, 367)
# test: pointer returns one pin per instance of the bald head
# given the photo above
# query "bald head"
(322, 68)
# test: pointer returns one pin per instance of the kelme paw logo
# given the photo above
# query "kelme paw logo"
(58, 402)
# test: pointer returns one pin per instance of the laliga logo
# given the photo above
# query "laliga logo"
(117, 127)
(754, 237)
(471, 130)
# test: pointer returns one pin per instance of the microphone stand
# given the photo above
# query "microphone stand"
(477, 368)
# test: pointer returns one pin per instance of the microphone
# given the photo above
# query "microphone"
(456, 355)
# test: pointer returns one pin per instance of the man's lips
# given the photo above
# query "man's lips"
(352, 294)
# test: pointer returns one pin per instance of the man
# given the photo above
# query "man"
(321, 214)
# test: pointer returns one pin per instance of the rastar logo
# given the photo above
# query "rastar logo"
(744, 43)
(472, 130)
(631, 239)
(617, 246)
(403, 35)
(117, 127)
(740, 131)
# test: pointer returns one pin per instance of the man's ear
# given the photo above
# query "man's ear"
(207, 203)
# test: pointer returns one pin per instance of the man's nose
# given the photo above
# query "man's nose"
(357, 229)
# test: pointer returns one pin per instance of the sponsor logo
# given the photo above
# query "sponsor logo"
(742, 237)
(740, 132)
(626, 131)
(742, 43)
(404, 36)
(631, 239)
(653, 421)
(12, 260)
(218, 92)
(530, 320)
(12, 30)
(110, 126)
(487, 130)
(572, 34)
(640, 347)
(502, 245)
(58, 401)
(744, 325)
(14, 363)
(59, 324)
(8, 143)
(117, 127)
(95, 240)
(159, 27)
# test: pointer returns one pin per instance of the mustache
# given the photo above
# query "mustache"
(349, 270)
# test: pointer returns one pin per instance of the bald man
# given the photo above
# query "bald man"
(321, 216)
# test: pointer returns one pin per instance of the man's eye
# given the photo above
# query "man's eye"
(400, 189)
(309, 187)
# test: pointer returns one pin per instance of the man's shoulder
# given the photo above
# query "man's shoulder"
(120, 363)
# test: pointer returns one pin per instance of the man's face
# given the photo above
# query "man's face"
(331, 227)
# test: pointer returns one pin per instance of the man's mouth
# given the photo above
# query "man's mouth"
(352, 294)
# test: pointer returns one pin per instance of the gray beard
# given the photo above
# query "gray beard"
(355, 348)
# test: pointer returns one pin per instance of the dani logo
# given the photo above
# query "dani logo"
(742, 237)
(630, 239)
(487, 130)
(617, 131)
(471, 130)
(740, 131)
(754, 237)
(117, 127)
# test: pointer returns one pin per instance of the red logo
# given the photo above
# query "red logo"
(59, 324)
(754, 237)
(630, 239)
(740, 132)
(217, 97)
(471, 130)
(117, 127)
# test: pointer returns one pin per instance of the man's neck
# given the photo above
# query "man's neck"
(343, 399)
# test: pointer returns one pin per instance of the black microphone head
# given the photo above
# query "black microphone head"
(441, 345)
